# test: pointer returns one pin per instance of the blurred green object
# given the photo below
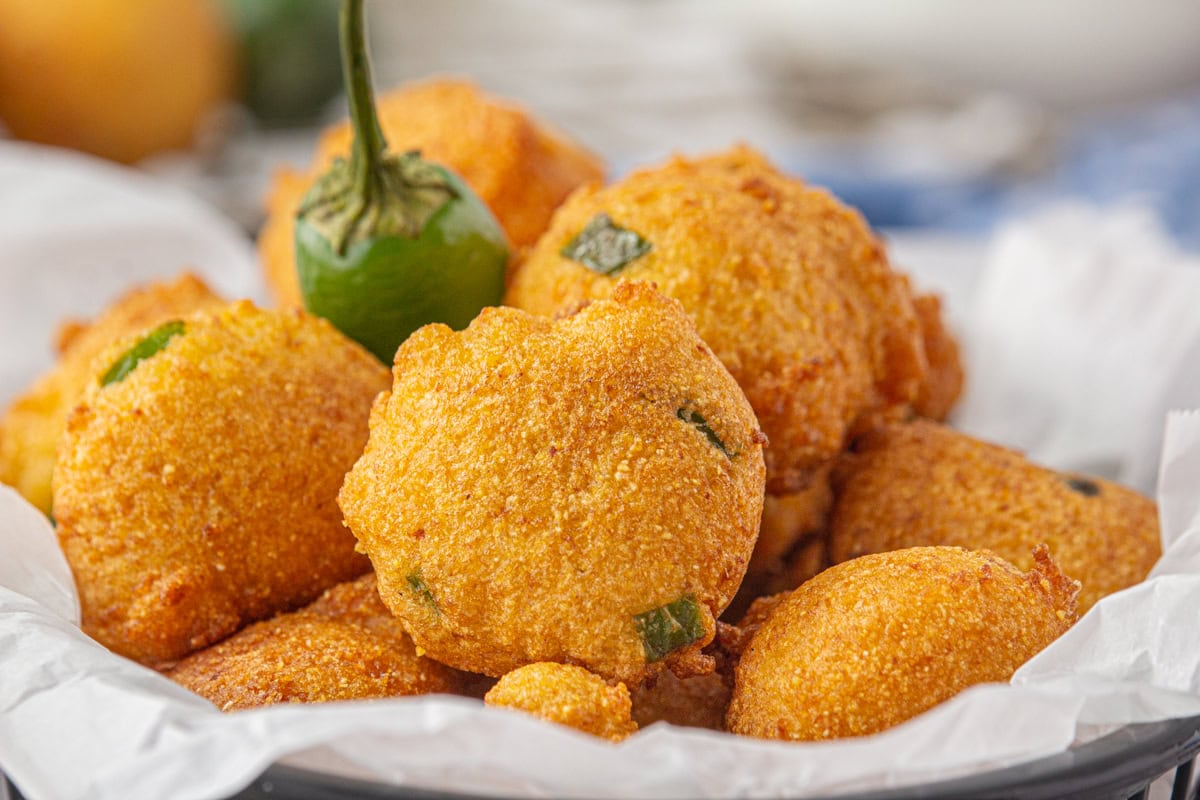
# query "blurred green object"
(289, 55)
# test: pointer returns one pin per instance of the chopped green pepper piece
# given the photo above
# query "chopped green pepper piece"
(604, 246)
(696, 420)
(1085, 486)
(418, 586)
(670, 627)
(150, 344)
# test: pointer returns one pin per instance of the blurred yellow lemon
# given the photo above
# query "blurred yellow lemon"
(120, 79)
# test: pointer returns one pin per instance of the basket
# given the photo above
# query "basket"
(1121, 765)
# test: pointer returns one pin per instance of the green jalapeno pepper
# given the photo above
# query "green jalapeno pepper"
(387, 243)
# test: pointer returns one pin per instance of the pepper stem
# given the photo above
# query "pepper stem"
(367, 152)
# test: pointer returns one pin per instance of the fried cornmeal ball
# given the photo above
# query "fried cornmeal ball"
(520, 167)
(584, 491)
(788, 287)
(568, 695)
(196, 483)
(345, 646)
(944, 381)
(878, 640)
(699, 701)
(32, 425)
(909, 485)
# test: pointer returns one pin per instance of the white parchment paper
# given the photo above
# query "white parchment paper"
(1079, 337)
(79, 722)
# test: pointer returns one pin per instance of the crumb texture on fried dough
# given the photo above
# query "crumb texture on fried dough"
(344, 646)
(787, 285)
(917, 484)
(875, 641)
(943, 384)
(198, 493)
(585, 491)
(567, 695)
(33, 424)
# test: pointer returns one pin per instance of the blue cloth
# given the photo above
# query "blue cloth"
(1149, 154)
(1152, 155)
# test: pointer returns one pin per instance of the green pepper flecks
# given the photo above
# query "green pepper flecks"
(670, 627)
(694, 418)
(149, 345)
(605, 247)
(418, 585)
(1085, 486)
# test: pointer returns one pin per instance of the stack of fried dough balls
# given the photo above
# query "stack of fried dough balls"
(521, 168)
(585, 491)
(796, 297)
(787, 286)
(929, 529)
(792, 541)
(196, 483)
(793, 538)
(567, 495)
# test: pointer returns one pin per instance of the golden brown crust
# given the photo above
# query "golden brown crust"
(787, 285)
(943, 384)
(521, 168)
(68, 331)
(356, 602)
(33, 424)
(345, 646)
(198, 493)
(568, 695)
(875, 641)
(910, 485)
(530, 487)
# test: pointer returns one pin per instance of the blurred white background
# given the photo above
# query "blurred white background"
(925, 113)
(635, 77)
